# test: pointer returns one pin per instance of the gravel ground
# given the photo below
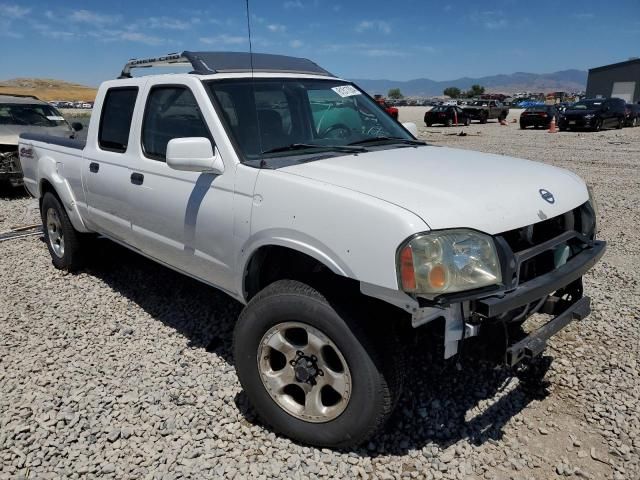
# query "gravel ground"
(124, 370)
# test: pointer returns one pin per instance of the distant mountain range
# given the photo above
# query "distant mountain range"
(565, 80)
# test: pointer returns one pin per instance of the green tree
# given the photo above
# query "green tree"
(453, 92)
(475, 91)
(394, 93)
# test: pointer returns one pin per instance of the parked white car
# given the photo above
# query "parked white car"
(292, 191)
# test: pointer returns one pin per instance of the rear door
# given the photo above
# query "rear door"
(108, 155)
(184, 219)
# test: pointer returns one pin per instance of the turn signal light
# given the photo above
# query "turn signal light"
(407, 273)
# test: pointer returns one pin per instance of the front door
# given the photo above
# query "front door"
(184, 219)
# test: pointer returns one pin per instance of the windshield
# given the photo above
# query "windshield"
(267, 115)
(30, 114)
(587, 105)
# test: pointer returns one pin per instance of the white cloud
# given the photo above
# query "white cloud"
(224, 40)
(583, 16)
(293, 4)
(12, 11)
(378, 25)
(141, 38)
(94, 18)
(384, 52)
(275, 27)
(170, 23)
(296, 43)
(496, 24)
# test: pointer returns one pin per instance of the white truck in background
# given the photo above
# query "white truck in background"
(292, 191)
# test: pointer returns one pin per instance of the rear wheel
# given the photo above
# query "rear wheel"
(310, 371)
(62, 239)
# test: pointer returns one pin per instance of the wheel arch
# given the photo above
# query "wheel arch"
(276, 257)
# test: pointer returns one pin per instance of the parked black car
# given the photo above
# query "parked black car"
(538, 116)
(594, 114)
(447, 115)
(632, 115)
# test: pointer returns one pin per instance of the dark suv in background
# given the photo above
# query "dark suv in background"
(594, 114)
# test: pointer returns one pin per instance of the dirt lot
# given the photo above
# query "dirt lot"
(125, 370)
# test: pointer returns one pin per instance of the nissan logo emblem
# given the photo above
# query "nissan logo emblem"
(547, 196)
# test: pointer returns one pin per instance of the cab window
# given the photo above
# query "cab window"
(171, 112)
(115, 118)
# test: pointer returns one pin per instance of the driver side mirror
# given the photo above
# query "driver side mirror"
(194, 154)
(411, 127)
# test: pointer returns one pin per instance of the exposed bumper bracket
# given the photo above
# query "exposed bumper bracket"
(536, 342)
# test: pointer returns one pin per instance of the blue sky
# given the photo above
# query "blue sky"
(89, 41)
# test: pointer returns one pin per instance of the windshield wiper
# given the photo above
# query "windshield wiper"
(405, 141)
(305, 146)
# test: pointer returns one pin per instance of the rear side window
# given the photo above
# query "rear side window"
(171, 112)
(115, 120)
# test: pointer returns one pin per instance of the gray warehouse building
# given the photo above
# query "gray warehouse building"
(621, 80)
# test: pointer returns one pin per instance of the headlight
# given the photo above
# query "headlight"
(448, 261)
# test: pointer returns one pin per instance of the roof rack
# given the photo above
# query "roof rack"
(206, 63)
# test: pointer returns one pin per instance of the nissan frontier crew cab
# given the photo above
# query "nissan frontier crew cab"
(291, 190)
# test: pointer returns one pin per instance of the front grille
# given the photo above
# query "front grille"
(535, 247)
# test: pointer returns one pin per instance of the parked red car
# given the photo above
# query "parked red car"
(393, 111)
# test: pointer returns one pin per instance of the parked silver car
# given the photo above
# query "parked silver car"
(24, 114)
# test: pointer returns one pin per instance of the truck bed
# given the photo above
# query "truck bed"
(53, 140)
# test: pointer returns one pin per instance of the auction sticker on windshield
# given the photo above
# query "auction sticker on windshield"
(346, 90)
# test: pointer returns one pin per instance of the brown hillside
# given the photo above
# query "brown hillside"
(48, 89)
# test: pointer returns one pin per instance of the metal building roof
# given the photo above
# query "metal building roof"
(616, 65)
(205, 63)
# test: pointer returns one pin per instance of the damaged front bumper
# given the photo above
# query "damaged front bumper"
(10, 169)
(557, 293)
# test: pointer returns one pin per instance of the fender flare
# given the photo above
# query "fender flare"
(48, 171)
(294, 240)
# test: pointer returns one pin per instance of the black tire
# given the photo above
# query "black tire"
(483, 118)
(522, 126)
(378, 371)
(597, 126)
(70, 258)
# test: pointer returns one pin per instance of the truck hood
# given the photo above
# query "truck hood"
(9, 134)
(451, 188)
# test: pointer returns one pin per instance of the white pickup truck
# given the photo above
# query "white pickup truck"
(294, 192)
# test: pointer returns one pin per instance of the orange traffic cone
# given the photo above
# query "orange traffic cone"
(552, 126)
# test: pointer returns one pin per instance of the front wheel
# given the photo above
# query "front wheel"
(310, 371)
(62, 239)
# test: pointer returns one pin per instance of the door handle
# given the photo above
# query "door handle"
(94, 167)
(137, 178)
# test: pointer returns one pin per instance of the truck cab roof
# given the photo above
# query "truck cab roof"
(236, 63)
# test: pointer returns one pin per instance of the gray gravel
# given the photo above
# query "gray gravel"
(124, 370)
